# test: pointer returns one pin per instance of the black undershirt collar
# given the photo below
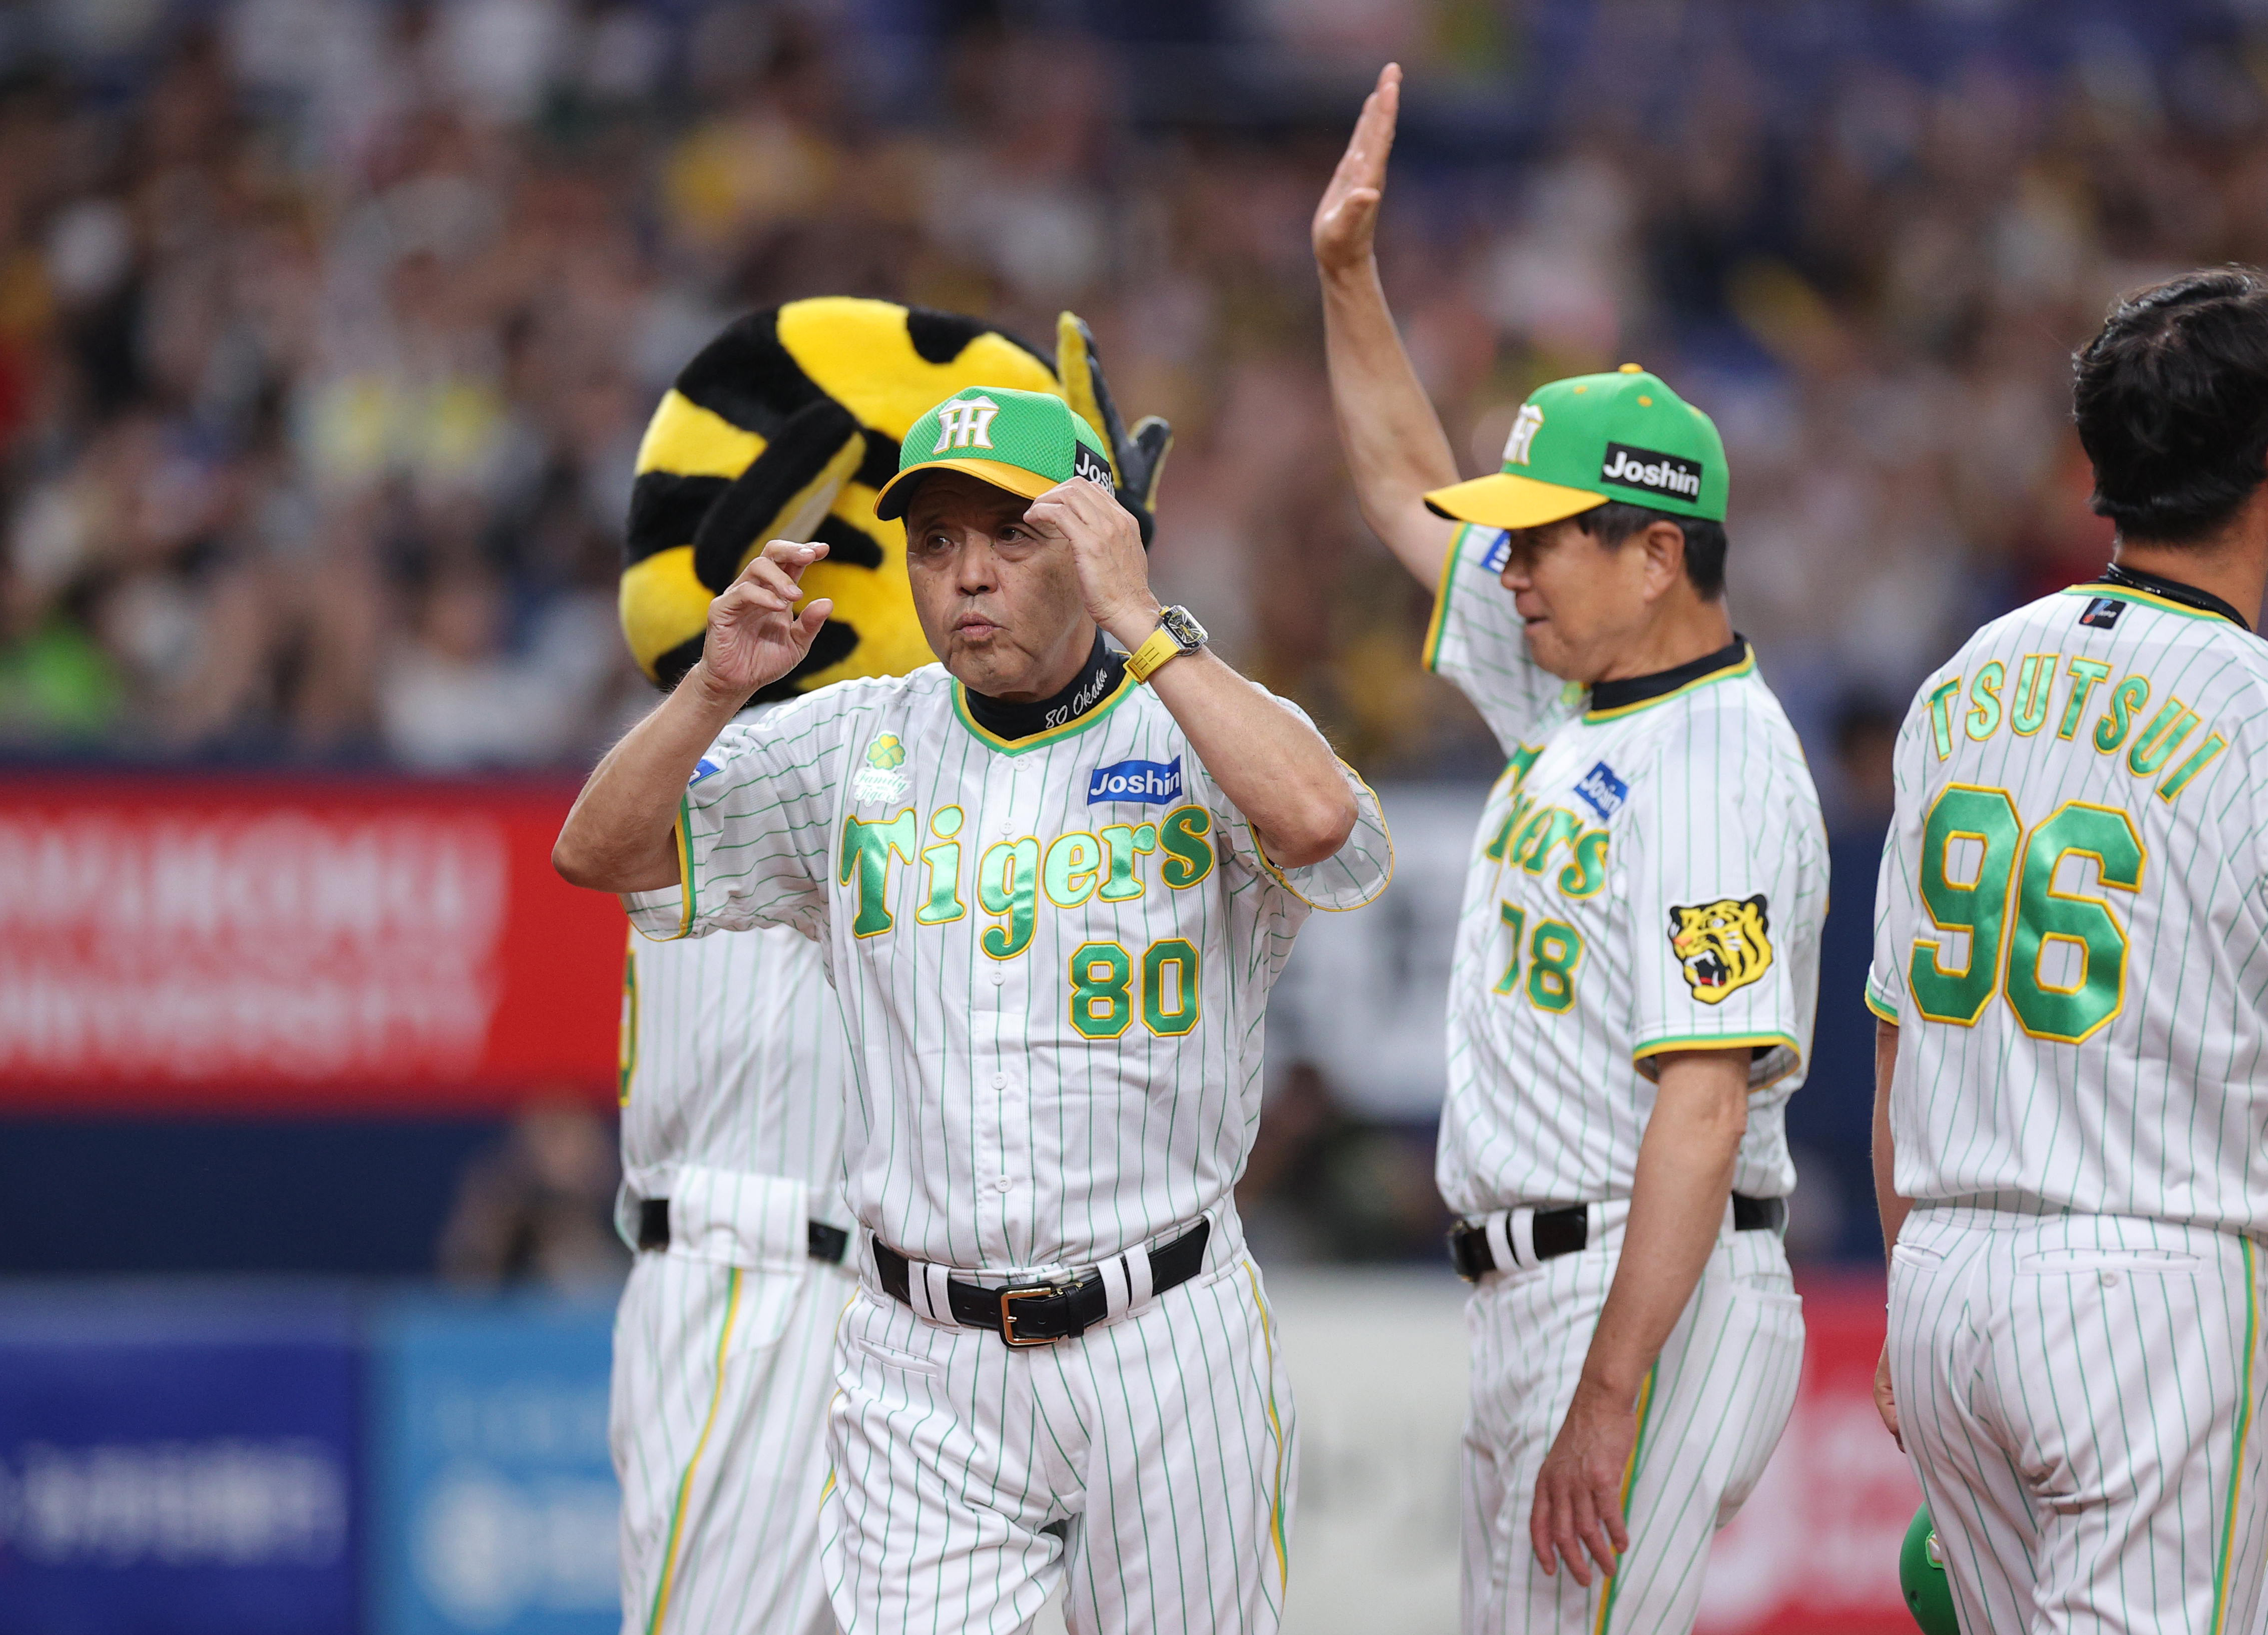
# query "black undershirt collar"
(1638, 688)
(2172, 590)
(1011, 718)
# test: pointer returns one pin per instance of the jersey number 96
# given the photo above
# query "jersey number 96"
(1983, 875)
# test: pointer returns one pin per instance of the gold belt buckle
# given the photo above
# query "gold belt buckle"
(1008, 1318)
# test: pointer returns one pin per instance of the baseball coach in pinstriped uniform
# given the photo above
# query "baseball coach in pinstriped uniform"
(1053, 880)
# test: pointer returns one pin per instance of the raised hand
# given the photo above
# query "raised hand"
(1105, 545)
(1348, 216)
(755, 635)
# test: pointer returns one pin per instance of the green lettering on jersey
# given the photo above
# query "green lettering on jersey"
(1984, 819)
(1533, 821)
(1125, 845)
(1586, 875)
(1521, 805)
(2072, 1011)
(943, 861)
(1985, 702)
(1520, 760)
(2033, 679)
(2125, 698)
(1189, 854)
(1008, 885)
(2085, 673)
(1557, 825)
(1073, 866)
(867, 849)
(2197, 762)
(2156, 744)
(1940, 715)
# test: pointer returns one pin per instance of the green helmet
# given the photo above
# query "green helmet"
(1921, 1574)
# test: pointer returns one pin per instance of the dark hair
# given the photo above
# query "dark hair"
(2172, 402)
(1617, 520)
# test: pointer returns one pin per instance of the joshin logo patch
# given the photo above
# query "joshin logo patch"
(880, 779)
(1148, 781)
(1650, 470)
(1084, 462)
(1601, 790)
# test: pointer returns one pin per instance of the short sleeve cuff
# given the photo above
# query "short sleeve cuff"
(1354, 875)
(1774, 1056)
(1881, 1004)
(659, 915)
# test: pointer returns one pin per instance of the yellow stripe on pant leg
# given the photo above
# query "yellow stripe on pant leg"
(1275, 1423)
(2243, 1430)
(685, 1485)
(1629, 1485)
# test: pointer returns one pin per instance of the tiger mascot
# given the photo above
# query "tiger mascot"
(1721, 946)
(783, 427)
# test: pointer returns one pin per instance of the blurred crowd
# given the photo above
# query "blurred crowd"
(329, 327)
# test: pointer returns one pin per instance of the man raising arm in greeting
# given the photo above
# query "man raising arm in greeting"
(1636, 959)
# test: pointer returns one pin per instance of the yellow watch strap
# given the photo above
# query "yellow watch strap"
(1144, 660)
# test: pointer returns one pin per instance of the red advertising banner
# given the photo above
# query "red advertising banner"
(1817, 1546)
(307, 946)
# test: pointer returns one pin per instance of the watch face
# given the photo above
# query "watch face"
(1184, 628)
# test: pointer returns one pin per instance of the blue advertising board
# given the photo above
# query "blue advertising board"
(496, 1506)
(178, 1462)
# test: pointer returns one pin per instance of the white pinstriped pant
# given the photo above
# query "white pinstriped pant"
(718, 1420)
(2079, 1395)
(1713, 1410)
(1149, 1464)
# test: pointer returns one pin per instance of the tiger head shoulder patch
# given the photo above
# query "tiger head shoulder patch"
(1721, 946)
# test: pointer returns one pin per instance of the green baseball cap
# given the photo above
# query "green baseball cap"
(1025, 442)
(1581, 442)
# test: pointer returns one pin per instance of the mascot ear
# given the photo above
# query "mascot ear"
(783, 494)
(1135, 460)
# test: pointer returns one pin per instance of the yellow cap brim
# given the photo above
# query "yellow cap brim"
(1505, 501)
(999, 473)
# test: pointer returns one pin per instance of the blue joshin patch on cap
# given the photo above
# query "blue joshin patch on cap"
(702, 768)
(1146, 781)
(1601, 790)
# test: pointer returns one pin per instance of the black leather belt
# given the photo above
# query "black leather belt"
(822, 1241)
(1043, 1313)
(1564, 1231)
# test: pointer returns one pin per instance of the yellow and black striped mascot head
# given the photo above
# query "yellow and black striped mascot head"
(783, 427)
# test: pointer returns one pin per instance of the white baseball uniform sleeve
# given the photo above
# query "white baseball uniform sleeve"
(1477, 641)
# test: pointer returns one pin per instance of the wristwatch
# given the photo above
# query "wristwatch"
(1178, 632)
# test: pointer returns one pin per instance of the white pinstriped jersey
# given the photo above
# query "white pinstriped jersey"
(1053, 954)
(2070, 924)
(1648, 875)
(731, 1058)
